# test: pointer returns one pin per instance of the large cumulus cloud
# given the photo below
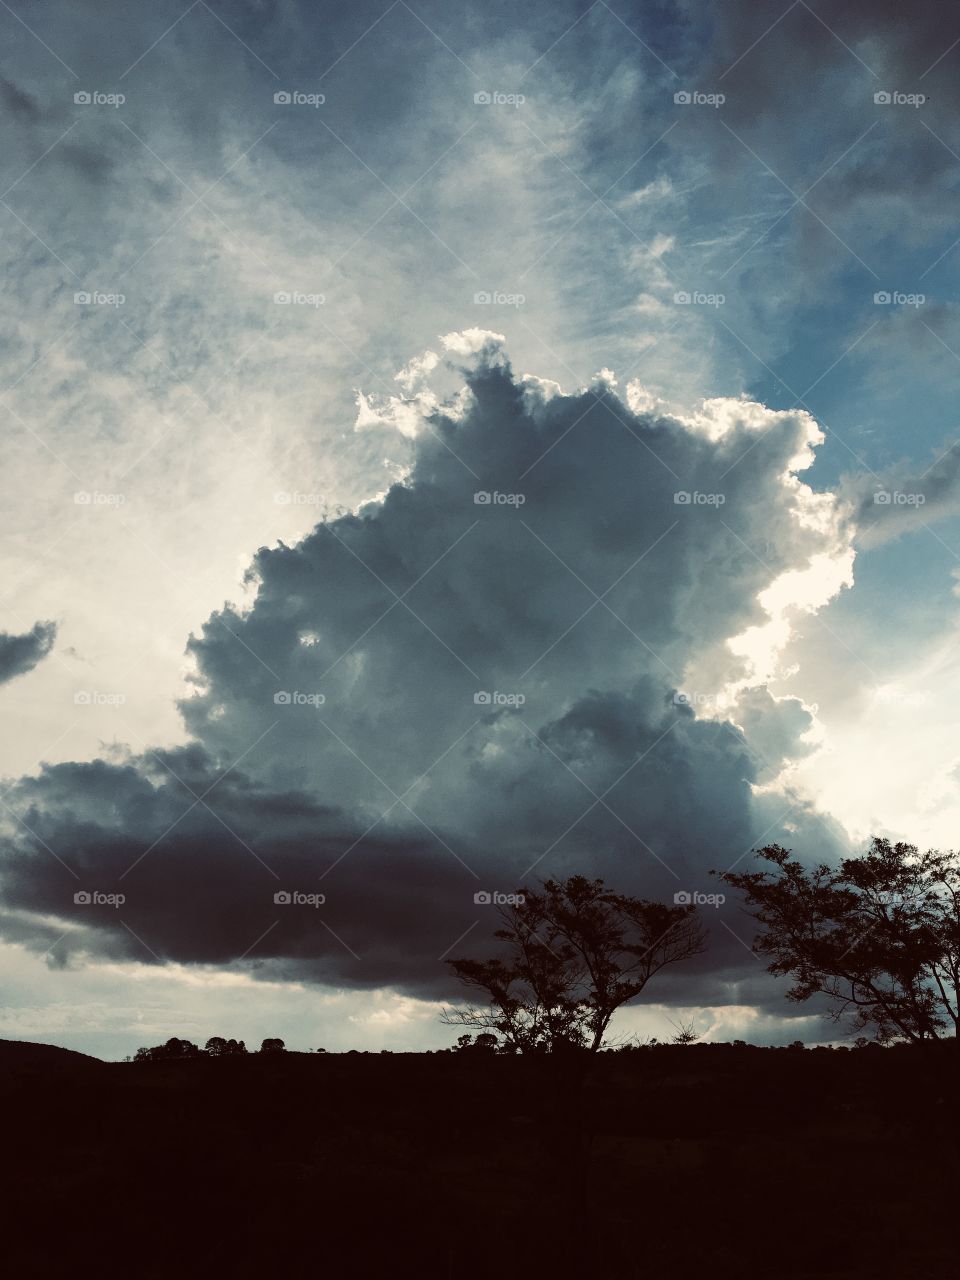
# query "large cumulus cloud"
(438, 694)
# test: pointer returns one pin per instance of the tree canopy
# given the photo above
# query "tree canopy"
(879, 935)
(575, 952)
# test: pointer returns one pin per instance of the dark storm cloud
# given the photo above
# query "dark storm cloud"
(773, 46)
(120, 862)
(822, 65)
(205, 893)
(440, 695)
(21, 653)
(800, 120)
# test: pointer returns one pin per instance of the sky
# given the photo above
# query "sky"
(447, 446)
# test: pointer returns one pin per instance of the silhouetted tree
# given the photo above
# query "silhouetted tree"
(172, 1051)
(272, 1046)
(215, 1046)
(485, 1042)
(575, 953)
(879, 935)
(686, 1034)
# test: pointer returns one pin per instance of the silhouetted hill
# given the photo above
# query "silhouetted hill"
(24, 1055)
(704, 1160)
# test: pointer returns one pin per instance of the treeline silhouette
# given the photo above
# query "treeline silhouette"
(177, 1050)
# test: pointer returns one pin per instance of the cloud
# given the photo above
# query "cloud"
(903, 499)
(17, 102)
(464, 685)
(21, 653)
(777, 729)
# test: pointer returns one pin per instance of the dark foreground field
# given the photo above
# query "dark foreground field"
(707, 1160)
